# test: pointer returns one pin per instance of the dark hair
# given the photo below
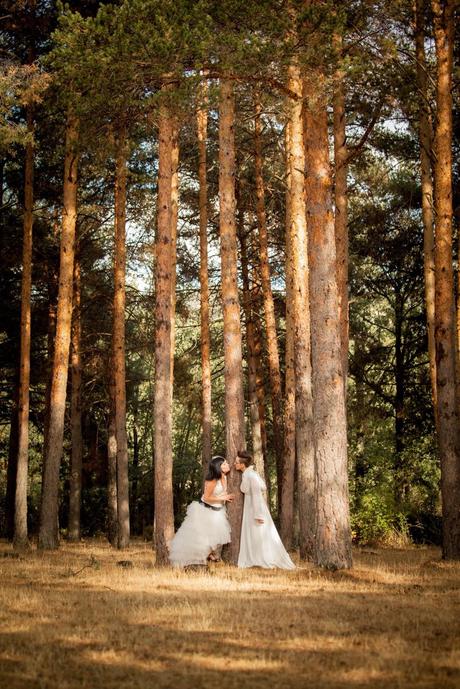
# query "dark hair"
(214, 468)
(244, 457)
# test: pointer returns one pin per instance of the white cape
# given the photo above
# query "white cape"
(260, 544)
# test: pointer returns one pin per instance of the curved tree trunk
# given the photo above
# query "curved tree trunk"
(297, 237)
(206, 413)
(75, 413)
(119, 345)
(164, 315)
(333, 533)
(448, 432)
(234, 398)
(286, 511)
(269, 308)
(426, 152)
(49, 532)
(20, 512)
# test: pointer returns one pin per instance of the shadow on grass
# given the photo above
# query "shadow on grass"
(368, 627)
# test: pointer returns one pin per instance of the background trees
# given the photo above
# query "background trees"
(107, 72)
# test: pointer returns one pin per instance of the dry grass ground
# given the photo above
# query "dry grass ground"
(73, 618)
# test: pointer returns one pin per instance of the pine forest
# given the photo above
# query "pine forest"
(230, 231)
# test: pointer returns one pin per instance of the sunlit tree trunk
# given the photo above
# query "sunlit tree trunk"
(164, 517)
(234, 398)
(20, 512)
(426, 152)
(297, 237)
(48, 535)
(75, 409)
(341, 203)
(448, 431)
(269, 308)
(333, 533)
(206, 414)
(174, 218)
(287, 482)
(119, 345)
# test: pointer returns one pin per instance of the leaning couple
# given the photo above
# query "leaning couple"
(206, 528)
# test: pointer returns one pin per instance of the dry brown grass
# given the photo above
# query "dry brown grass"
(394, 621)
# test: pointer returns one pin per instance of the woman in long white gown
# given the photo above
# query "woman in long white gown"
(205, 527)
(260, 544)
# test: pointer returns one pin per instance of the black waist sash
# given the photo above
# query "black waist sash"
(211, 507)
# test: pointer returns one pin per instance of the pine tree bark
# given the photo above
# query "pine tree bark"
(75, 410)
(206, 412)
(20, 539)
(234, 398)
(257, 447)
(112, 500)
(164, 315)
(426, 152)
(341, 203)
(49, 532)
(333, 533)
(174, 218)
(269, 307)
(119, 345)
(297, 237)
(289, 455)
(448, 433)
(256, 304)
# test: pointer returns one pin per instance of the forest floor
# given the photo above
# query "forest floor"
(74, 618)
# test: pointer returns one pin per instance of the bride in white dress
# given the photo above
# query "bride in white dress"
(205, 528)
(260, 544)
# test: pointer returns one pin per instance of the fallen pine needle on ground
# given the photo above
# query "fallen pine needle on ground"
(84, 617)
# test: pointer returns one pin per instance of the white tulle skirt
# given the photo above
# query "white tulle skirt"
(201, 531)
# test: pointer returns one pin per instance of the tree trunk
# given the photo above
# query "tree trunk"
(257, 448)
(269, 308)
(174, 217)
(256, 304)
(75, 406)
(13, 444)
(333, 533)
(400, 479)
(20, 512)
(448, 433)
(341, 204)
(286, 511)
(49, 532)
(53, 286)
(297, 237)
(119, 345)
(426, 152)
(112, 500)
(234, 398)
(206, 412)
(164, 316)
(135, 483)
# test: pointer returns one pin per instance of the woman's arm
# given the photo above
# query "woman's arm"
(209, 497)
(257, 499)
